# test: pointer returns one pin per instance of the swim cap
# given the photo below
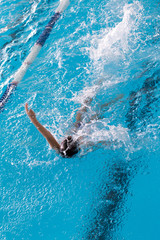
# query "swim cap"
(69, 147)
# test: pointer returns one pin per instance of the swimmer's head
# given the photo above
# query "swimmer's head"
(69, 147)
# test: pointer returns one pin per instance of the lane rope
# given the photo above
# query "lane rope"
(33, 54)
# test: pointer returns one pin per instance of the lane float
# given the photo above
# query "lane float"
(33, 54)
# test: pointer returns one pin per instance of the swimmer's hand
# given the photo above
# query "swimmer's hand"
(120, 96)
(31, 114)
(49, 137)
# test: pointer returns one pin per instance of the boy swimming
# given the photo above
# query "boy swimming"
(69, 146)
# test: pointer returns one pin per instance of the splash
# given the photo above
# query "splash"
(115, 42)
(103, 133)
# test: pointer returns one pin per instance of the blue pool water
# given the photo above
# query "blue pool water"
(110, 190)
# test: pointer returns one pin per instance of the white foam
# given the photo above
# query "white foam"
(115, 41)
(101, 131)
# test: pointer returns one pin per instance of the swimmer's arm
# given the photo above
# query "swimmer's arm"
(82, 110)
(49, 137)
(120, 96)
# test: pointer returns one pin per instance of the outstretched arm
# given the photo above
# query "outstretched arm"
(120, 96)
(49, 137)
(82, 110)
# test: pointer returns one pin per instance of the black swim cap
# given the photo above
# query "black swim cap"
(69, 147)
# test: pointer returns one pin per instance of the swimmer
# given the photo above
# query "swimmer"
(69, 146)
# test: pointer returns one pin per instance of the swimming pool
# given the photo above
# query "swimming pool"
(99, 49)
